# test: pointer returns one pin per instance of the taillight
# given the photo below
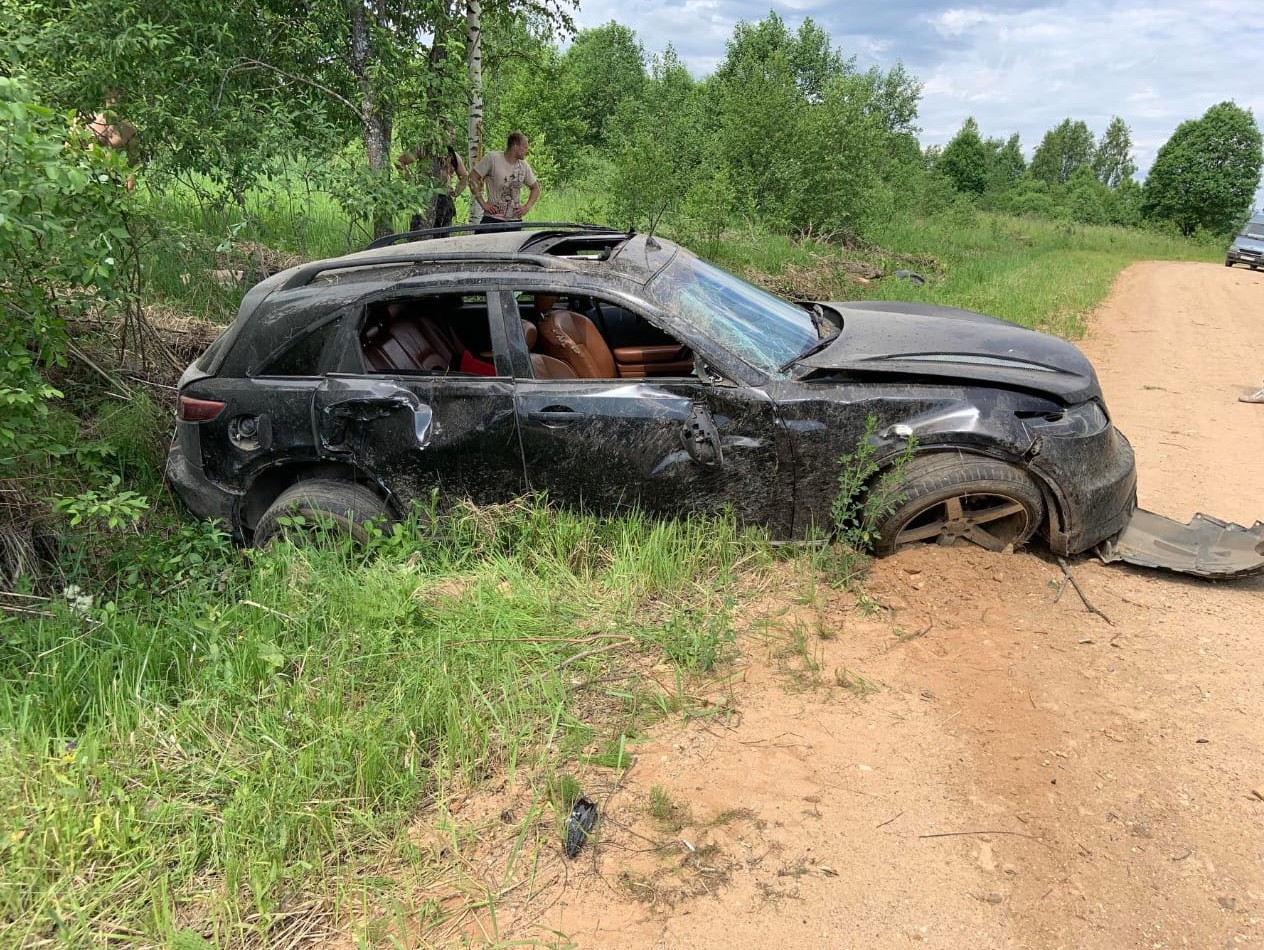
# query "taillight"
(189, 409)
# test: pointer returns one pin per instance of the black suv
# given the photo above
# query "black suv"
(610, 369)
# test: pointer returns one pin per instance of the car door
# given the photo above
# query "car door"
(667, 445)
(414, 430)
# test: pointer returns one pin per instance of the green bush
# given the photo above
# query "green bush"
(63, 241)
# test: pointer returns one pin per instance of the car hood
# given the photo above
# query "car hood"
(916, 339)
(1243, 243)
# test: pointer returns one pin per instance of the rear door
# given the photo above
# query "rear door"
(414, 430)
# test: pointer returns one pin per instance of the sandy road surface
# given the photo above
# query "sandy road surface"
(973, 760)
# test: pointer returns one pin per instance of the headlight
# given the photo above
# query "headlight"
(1088, 418)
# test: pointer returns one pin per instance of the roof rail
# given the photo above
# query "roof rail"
(306, 273)
(489, 227)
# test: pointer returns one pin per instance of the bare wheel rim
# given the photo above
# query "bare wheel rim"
(988, 519)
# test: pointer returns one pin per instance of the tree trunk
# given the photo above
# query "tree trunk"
(375, 118)
(474, 45)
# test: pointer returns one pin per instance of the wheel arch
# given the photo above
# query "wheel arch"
(268, 485)
(1054, 518)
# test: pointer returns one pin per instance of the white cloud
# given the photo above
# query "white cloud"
(958, 22)
(1015, 65)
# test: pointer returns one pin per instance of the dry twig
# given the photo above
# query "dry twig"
(1066, 570)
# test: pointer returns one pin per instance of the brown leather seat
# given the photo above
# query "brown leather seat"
(546, 367)
(405, 342)
(574, 339)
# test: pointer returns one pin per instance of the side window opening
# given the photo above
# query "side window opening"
(436, 334)
(576, 336)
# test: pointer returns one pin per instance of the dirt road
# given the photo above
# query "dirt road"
(972, 757)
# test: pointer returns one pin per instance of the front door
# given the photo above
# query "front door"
(669, 446)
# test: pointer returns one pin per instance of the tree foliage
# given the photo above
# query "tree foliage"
(217, 86)
(967, 160)
(786, 129)
(601, 68)
(1206, 174)
(62, 239)
(1112, 160)
(1063, 151)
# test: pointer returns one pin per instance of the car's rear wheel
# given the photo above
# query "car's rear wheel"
(950, 499)
(310, 509)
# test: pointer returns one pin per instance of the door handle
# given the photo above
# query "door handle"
(555, 416)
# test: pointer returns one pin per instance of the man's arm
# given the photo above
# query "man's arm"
(532, 198)
(462, 179)
(476, 189)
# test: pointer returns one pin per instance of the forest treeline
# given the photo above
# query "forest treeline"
(787, 132)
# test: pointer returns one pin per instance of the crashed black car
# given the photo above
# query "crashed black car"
(613, 369)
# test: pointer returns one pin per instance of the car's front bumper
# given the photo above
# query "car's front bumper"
(1093, 483)
(1251, 258)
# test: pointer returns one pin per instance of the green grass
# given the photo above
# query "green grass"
(236, 752)
(1041, 274)
(225, 746)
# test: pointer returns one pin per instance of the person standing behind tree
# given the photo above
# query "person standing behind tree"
(445, 169)
(505, 174)
(112, 132)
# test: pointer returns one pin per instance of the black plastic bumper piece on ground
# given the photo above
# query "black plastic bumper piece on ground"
(579, 825)
(1206, 546)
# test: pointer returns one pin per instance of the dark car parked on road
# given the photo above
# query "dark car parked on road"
(611, 369)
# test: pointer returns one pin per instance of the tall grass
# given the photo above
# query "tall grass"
(220, 761)
(1038, 273)
(1044, 274)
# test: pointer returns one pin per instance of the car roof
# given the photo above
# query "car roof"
(303, 294)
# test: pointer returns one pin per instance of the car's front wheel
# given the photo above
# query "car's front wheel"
(946, 499)
(321, 504)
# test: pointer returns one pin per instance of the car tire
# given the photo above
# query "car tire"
(350, 507)
(1228, 263)
(949, 498)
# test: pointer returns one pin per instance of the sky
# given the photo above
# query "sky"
(1015, 65)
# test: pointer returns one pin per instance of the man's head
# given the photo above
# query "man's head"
(516, 147)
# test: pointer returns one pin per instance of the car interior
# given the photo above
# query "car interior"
(595, 339)
(568, 337)
(439, 334)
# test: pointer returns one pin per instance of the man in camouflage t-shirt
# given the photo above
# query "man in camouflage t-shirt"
(505, 175)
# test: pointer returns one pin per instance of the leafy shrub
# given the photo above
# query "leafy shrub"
(62, 238)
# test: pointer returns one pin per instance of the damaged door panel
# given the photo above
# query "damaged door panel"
(348, 408)
(454, 433)
(667, 445)
(1206, 546)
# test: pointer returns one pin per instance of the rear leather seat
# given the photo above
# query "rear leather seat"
(413, 343)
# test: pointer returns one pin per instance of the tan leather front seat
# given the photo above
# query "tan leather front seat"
(574, 339)
(546, 367)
